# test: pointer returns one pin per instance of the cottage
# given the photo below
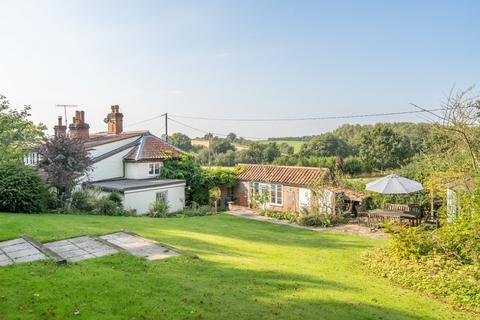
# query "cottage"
(126, 162)
(292, 188)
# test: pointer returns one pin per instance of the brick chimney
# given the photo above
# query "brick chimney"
(78, 127)
(60, 129)
(115, 121)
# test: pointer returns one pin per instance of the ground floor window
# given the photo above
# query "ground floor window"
(276, 194)
(274, 190)
(154, 169)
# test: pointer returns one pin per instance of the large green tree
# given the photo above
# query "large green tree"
(382, 148)
(181, 141)
(17, 132)
(327, 144)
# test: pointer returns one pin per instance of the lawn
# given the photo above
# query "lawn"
(245, 270)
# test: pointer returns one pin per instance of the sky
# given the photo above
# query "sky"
(236, 59)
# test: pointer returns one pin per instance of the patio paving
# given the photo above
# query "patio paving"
(80, 248)
(27, 249)
(139, 246)
(18, 250)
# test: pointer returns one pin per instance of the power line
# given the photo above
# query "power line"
(209, 132)
(367, 115)
(146, 120)
(312, 118)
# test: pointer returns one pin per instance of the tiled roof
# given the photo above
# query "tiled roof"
(151, 147)
(103, 138)
(353, 195)
(301, 176)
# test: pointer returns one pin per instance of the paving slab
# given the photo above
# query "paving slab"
(19, 250)
(139, 246)
(80, 248)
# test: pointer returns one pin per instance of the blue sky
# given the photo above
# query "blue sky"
(254, 59)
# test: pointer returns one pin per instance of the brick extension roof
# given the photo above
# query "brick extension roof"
(150, 148)
(300, 176)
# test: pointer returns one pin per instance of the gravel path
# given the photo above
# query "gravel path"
(354, 229)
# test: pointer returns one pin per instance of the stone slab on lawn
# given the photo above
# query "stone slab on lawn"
(139, 246)
(80, 248)
(18, 250)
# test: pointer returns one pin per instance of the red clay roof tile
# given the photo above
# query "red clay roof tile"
(300, 176)
(151, 147)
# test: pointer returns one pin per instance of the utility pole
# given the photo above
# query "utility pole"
(209, 150)
(65, 106)
(166, 127)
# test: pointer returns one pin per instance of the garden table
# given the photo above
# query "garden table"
(380, 215)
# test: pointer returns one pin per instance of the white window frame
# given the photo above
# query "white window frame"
(276, 194)
(154, 169)
(276, 199)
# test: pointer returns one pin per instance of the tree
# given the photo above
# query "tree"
(215, 195)
(17, 133)
(65, 161)
(383, 148)
(327, 144)
(181, 141)
(285, 148)
(232, 137)
(199, 181)
(219, 145)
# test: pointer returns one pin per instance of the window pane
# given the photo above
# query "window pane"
(151, 168)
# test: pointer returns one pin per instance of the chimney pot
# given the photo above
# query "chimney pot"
(115, 123)
(78, 128)
(60, 130)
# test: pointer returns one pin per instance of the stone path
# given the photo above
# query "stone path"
(80, 248)
(139, 246)
(345, 228)
(27, 249)
(19, 250)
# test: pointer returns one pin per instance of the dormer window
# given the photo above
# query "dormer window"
(154, 169)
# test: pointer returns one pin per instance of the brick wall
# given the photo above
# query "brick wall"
(241, 193)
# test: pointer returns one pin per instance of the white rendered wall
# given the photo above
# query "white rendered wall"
(305, 196)
(139, 170)
(325, 199)
(107, 147)
(142, 199)
(109, 168)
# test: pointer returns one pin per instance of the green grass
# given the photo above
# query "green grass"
(295, 144)
(246, 270)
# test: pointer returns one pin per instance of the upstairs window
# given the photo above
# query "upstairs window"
(154, 169)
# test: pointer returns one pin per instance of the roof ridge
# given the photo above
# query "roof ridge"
(280, 166)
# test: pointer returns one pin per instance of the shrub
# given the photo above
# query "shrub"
(197, 210)
(434, 274)
(83, 200)
(159, 209)
(21, 189)
(115, 197)
(104, 206)
(313, 217)
(281, 215)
